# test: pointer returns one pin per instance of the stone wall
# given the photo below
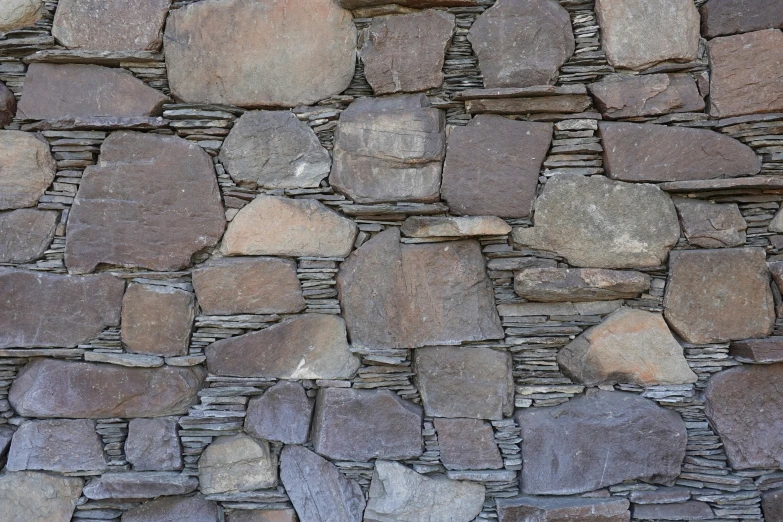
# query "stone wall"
(443, 260)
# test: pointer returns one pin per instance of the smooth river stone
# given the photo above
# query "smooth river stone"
(26, 169)
(709, 225)
(647, 95)
(57, 445)
(562, 509)
(25, 234)
(723, 17)
(579, 284)
(16, 14)
(236, 463)
(157, 319)
(29, 495)
(174, 509)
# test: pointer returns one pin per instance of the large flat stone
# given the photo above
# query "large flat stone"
(472, 226)
(25, 234)
(417, 4)
(151, 201)
(57, 445)
(763, 351)
(647, 95)
(153, 444)
(723, 17)
(407, 296)
(579, 284)
(16, 14)
(291, 52)
(156, 319)
(562, 509)
(264, 515)
(236, 463)
(282, 414)
(133, 485)
(29, 495)
(467, 444)
(492, 166)
(7, 105)
(174, 509)
(719, 295)
(710, 225)
(598, 440)
(54, 388)
(26, 169)
(691, 510)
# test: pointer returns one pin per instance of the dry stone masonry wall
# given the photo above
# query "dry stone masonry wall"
(424, 261)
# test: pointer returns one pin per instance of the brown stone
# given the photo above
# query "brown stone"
(719, 295)
(291, 52)
(467, 444)
(405, 53)
(156, 319)
(722, 17)
(236, 463)
(448, 226)
(57, 445)
(25, 234)
(7, 105)
(26, 169)
(16, 14)
(772, 505)
(54, 91)
(492, 166)
(763, 351)
(174, 509)
(418, 4)
(709, 225)
(562, 509)
(746, 77)
(263, 515)
(749, 182)
(153, 444)
(647, 95)
(29, 495)
(282, 414)
(248, 285)
(579, 284)
(139, 485)
(407, 296)
(568, 103)
(53, 388)
(152, 201)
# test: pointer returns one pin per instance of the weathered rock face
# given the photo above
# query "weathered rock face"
(7, 105)
(57, 445)
(308, 346)
(596, 222)
(174, 509)
(464, 381)
(236, 463)
(692, 510)
(152, 201)
(418, 4)
(745, 77)
(772, 504)
(425, 226)
(156, 320)
(522, 508)
(15, 14)
(734, 399)
(153, 445)
(492, 166)
(201, 42)
(407, 296)
(25, 234)
(6, 434)
(767, 350)
(278, 226)
(579, 284)
(398, 493)
(143, 485)
(405, 53)
(722, 17)
(40, 309)
(647, 95)
(709, 225)
(54, 388)
(628, 346)
(359, 425)
(646, 152)
(467, 444)
(719, 295)
(389, 149)
(520, 43)
(26, 169)
(597, 440)
(639, 33)
(110, 26)
(317, 489)
(265, 515)
(282, 414)
(28, 495)
(273, 149)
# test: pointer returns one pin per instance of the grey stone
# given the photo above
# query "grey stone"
(15, 14)
(467, 444)
(473, 226)
(156, 319)
(236, 463)
(417, 4)
(709, 225)
(7, 105)
(776, 225)
(29, 495)
(647, 95)
(26, 169)
(125, 359)
(691, 510)
(6, 434)
(579, 284)
(762, 351)
(57, 445)
(562, 509)
(660, 496)
(25, 234)
(153, 444)
(264, 515)
(722, 17)
(282, 414)
(174, 509)
(772, 505)
(139, 485)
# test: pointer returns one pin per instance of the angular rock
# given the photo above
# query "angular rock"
(278, 226)
(425, 226)
(719, 295)
(745, 73)
(464, 381)
(317, 489)
(54, 91)
(692, 510)
(399, 494)
(249, 285)
(636, 34)
(7, 105)
(467, 444)
(130, 485)
(26, 169)
(273, 149)
(282, 414)
(647, 152)
(628, 346)
(523, 509)
(25, 234)
(600, 223)
(359, 425)
(520, 43)
(776, 225)
(772, 505)
(762, 351)
(236, 463)
(492, 166)
(722, 17)
(405, 53)
(6, 434)
(407, 296)
(598, 440)
(40, 309)
(55, 388)
(151, 201)
(156, 319)
(153, 444)
(647, 95)
(57, 445)
(15, 14)
(308, 346)
(174, 509)
(291, 52)
(29, 495)
(264, 515)
(389, 150)
(709, 225)
(579, 284)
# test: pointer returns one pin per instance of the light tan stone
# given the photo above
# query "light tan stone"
(236, 463)
(422, 226)
(27, 495)
(15, 14)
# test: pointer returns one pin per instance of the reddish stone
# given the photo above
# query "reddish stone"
(722, 17)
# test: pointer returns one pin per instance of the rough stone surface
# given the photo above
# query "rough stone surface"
(151, 201)
(709, 225)
(399, 494)
(15, 14)
(6, 434)
(405, 53)
(156, 320)
(417, 4)
(25, 234)
(359, 425)
(492, 166)
(174, 509)
(236, 463)
(719, 295)
(273, 149)
(772, 505)
(153, 445)
(56, 445)
(317, 489)
(598, 440)
(7, 105)
(133, 485)
(282, 414)
(600, 223)
(464, 381)
(308, 346)
(389, 149)
(723, 17)
(467, 444)
(278, 226)
(765, 351)
(647, 152)
(29, 495)
(660, 495)
(579, 284)
(424, 226)
(265, 515)
(520, 43)
(692, 510)
(628, 346)
(776, 225)
(556, 509)
(639, 33)
(202, 39)
(647, 95)
(407, 296)
(26, 169)
(53, 388)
